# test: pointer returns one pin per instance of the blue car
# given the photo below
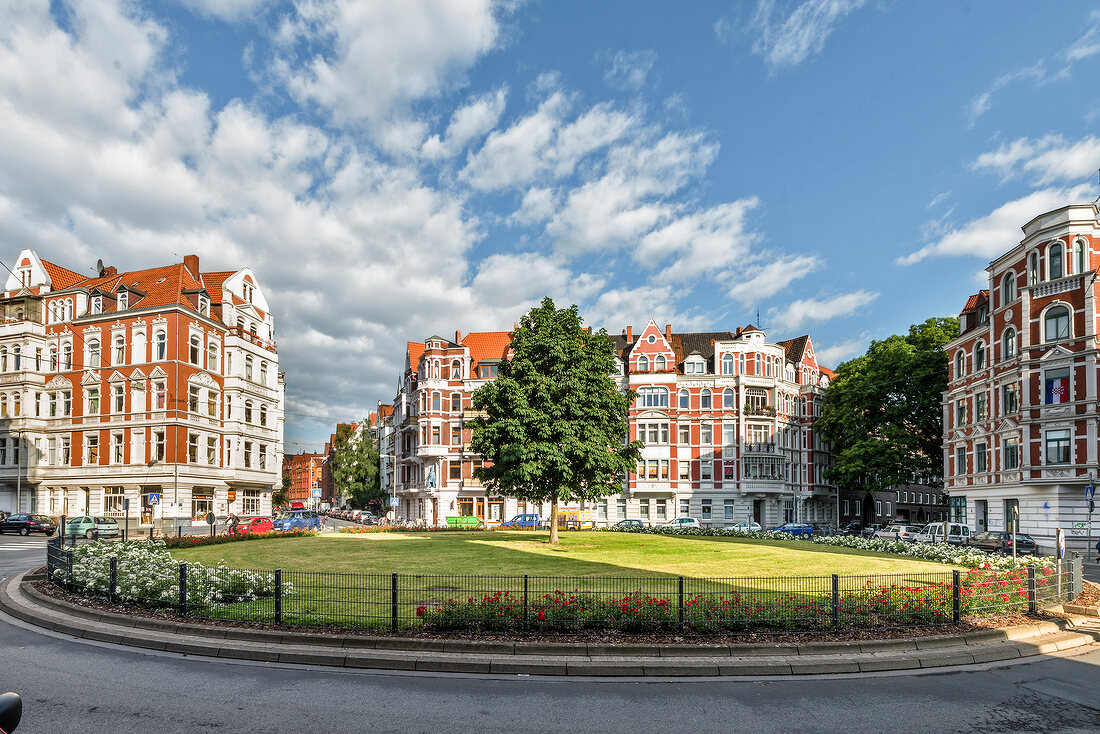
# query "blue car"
(297, 520)
(797, 529)
(522, 522)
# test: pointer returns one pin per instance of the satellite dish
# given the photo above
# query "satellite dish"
(99, 267)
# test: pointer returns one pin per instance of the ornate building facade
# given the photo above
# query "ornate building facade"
(158, 386)
(1021, 409)
(726, 420)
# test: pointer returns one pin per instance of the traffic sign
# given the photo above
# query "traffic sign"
(316, 492)
(1088, 493)
(393, 502)
(154, 498)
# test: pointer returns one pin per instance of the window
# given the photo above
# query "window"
(263, 456)
(653, 434)
(704, 399)
(685, 434)
(91, 443)
(1008, 288)
(1056, 324)
(193, 398)
(113, 501)
(456, 370)
(437, 401)
(196, 349)
(67, 352)
(212, 404)
(980, 407)
(263, 372)
(684, 471)
(706, 468)
(727, 364)
(248, 411)
(53, 405)
(67, 402)
(653, 397)
(456, 402)
(1054, 262)
(212, 357)
(97, 305)
(727, 399)
(980, 458)
(979, 356)
(659, 364)
(456, 436)
(455, 471)
(436, 437)
(643, 363)
(66, 456)
(960, 413)
(1057, 386)
(620, 508)
(1058, 448)
(120, 350)
(1033, 269)
(263, 414)
(705, 510)
(1010, 399)
(729, 434)
(741, 363)
(662, 509)
(1008, 344)
(161, 340)
(53, 359)
(17, 404)
(695, 367)
(93, 353)
(123, 300)
(118, 399)
(18, 360)
(160, 388)
(685, 400)
(211, 450)
(193, 448)
(204, 305)
(248, 368)
(93, 401)
(643, 509)
(117, 448)
(1011, 458)
(756, 397)
(706, 437)
(960, 460)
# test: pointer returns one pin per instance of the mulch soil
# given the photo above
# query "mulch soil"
(1089, 597)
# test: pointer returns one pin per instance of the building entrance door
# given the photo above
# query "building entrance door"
(758, 511)
(981, 515)
(481, 507)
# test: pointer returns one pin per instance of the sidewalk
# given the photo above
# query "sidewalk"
(20, 599)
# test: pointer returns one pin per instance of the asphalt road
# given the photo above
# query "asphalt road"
(75, 686)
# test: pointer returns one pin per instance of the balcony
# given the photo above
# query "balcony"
(762, 448)
(1056, 286)
(762, 410)
(432, 449)
(767, 486)
(468, 413)
(652, 486)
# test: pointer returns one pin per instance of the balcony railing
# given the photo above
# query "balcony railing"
(761, 448)
(1055, 286)
(759, 410)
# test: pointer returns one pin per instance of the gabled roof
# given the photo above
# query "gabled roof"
(213, 283)
(796, 347)
(385, 411)
(978, 299)
(701, 343)
(61, 278)
(415, 350)
(485, 345)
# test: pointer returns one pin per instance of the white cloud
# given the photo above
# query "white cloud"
(982, 102)
(834, 354)
(998, 231)
(383, 54)
(1047, 160)
(616, 309)
(787, 42)
(468, 123)
(538, 205)
(1088, 44)
(702, 243)
(817, 310)
(761, 281)
(227, 10)
(629, 69)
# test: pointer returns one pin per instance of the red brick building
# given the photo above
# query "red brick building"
(304, 471)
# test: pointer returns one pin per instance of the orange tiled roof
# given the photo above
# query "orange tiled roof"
(385, 411)
(831, 374)
(213, 283)
(976, 300)
(61, 277)
(415, 350)
(487, 345)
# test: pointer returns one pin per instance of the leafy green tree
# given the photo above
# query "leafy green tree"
(882, 415)
(281, 496)
(555, 423)
(355, 469)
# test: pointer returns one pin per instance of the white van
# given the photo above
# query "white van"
(933, 533)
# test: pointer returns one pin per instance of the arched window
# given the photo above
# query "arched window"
(17, 405)
(456, 370)
(3, 405)
(53, 359)
(741, 363)
(248, 411)
(263, 371)
(3, 359)
(1079, 249)
(660, 363)
(17, 358)
(263, 414)
(196, 349)
(248, 368)
(960, 363)
(727, 364)
(212, 357)
(758, 369)
(979, 356)
(162, 346)
(704, 399)
(120, 350)
(67, 352)
(456, 401)
(685, 400)
(727, 398)
(1008, 344)
(93, 353)
(1008, 288)
(1056, 324)
(437, 401)
(1033, 269)
(643, 363)
(1054, 262)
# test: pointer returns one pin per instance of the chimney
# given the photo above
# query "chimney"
(191, 262)
(458, 336)
(629, 334)
(668, 332)
(109, 271)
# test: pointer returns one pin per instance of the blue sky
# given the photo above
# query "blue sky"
(396, 170)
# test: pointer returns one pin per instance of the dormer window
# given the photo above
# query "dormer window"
(695, 367)
(97, 305)
(123, 299)
(248, 292)
(204, 305)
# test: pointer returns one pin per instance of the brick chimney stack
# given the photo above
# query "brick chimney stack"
(630, 333)
(458, 336)
(668, 332)
(191, 262)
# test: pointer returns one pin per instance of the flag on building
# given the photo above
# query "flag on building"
(1058, 390)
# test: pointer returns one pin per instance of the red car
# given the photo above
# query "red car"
(256, 525)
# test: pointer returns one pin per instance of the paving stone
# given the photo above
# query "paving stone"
(379, 662)
(328, 658)
(873, 646)
(684, 669)
(528, 667)
(946, 658)
(452, 665)
(875, 664)
(605, 668)
(810, 665)
(755, 667)
(993, 653)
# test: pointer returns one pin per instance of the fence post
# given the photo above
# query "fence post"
(114, 579)
(525, 602)
(72, 580)
(681, 604)
(278, 595)
(956, 598)
(393, 605)
(836, 602)
(183, 589)
(1032, 602)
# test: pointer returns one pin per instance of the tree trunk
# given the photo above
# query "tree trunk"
(554, 520)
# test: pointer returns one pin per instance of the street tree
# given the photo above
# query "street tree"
(882, 416)
(355, 468)
(281, 496)
(555, 424)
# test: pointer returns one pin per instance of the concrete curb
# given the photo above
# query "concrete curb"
(21, 600)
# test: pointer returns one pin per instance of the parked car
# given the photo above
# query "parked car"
(297, 520)
(682, 523)
(528, 521)
(1000, 541)
(745, 527)
(368, 518)
(92, 527)
(11, 711)
(627, 525)
(27, 524)
(870, 530)
(797, 529)
(933, 533)
(907, 533)
(254, 525)
(852, 529)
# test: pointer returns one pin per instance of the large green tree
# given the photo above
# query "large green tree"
(882, 416)
(281, 496)
(356, 470)
(555, 424)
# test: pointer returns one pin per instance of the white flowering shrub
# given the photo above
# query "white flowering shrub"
(148, 575)
(939, 552)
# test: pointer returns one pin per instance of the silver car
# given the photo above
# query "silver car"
(908, 533)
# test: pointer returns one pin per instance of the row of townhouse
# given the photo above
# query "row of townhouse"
(1021, 410)
(726, 420)
(305, 473)
(157, 386)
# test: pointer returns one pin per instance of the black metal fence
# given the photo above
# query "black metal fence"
(564, 605)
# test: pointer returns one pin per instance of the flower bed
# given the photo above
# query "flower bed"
(198, 541)
(147, 575)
